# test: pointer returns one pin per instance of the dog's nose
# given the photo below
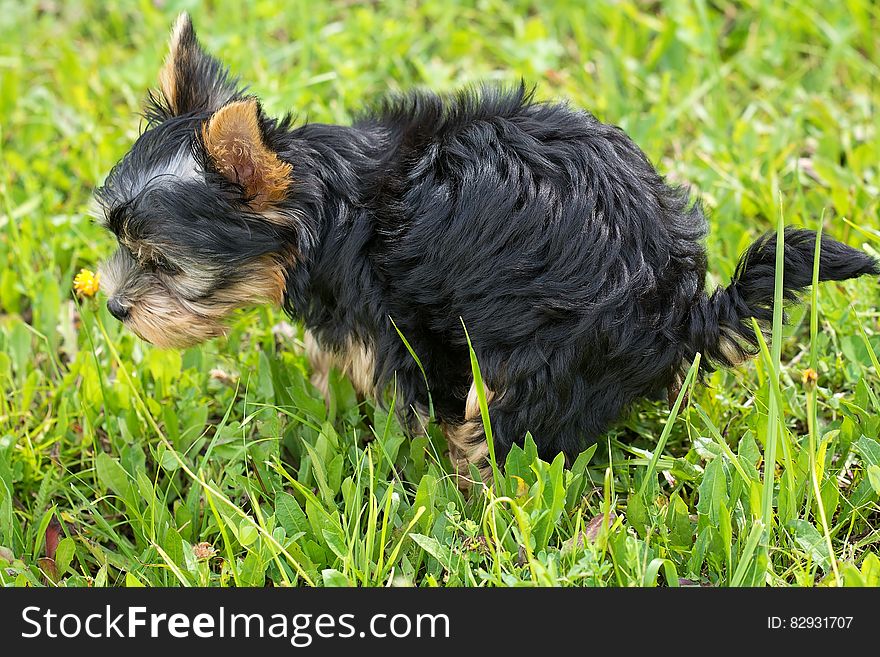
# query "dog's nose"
(116, 309)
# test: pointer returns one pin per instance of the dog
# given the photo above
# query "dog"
(547, 235)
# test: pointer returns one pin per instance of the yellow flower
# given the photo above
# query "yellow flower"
(810, 378)
(86, 283)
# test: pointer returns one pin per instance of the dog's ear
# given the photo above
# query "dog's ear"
(191, 80)
(235, 143)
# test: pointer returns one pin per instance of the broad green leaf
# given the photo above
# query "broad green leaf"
(64, 555)
(333, 578)
(112, 476)
(713, 491)
(810, 541)
(432, 546)
(874, 477)
(247, 533)
(290, 515)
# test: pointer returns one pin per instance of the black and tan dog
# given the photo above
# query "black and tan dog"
(578, 272)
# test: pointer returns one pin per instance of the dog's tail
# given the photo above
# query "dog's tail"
(720, 325)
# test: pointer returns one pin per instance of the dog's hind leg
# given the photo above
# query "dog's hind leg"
(467, 441)
(564, 411)
(355, 359)
(320, 362)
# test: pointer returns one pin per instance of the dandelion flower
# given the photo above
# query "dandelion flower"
(86, 283)
(809, 378)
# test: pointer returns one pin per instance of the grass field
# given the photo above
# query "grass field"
(123, 465)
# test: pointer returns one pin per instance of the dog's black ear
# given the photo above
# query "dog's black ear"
(191, 80)
(234, 140)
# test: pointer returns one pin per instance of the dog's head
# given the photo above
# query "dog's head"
(196, 205)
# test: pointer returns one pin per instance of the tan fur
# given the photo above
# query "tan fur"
(168, 73)
(232, 138)
(161, 321)
(276, 217)
(467, 441)
(467, 444)
(169, 321)
(357, 361)
(729, 347)
(359, 365)
(321, 362)
(472, 403)
(266, 284)
(674, 388)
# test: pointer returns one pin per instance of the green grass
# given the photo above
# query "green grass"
(116, 459)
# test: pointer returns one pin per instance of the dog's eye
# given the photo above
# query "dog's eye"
(158, 263)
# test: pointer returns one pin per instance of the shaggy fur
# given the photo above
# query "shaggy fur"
(577, 270)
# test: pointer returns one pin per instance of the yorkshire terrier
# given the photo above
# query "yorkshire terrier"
(578, 273)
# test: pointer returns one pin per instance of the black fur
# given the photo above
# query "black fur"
(751, 292)
(578, 272)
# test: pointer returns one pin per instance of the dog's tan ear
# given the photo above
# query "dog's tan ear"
(191, 80)
(235, 143)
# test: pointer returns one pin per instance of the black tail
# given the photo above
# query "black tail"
(720, 325)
